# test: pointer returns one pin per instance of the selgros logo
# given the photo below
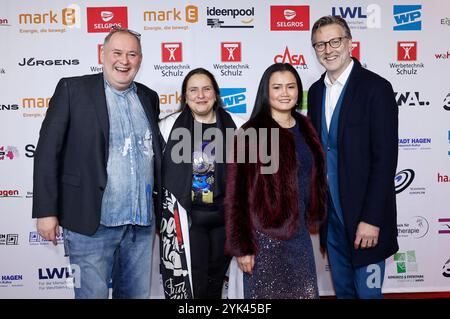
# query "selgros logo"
(289, 18)
(102, 19)
(295, 59)
(356, 50)
(410, 99)
(230, 18)
(234, 99)
(157, 20)
(357, 19)
(417, 227)
(444, 226)
(9, 239)
(407, 17)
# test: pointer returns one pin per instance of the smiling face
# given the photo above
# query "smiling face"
(121, 58)
(334, 60)
(283, 92)
(200, 96)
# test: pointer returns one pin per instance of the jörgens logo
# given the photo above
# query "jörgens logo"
(102, 19)
(289, 18)
(47, 62)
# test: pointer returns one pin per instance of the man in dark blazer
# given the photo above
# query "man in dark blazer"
(355, 113)
(97, 173)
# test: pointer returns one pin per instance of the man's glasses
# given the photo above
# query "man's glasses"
(334, 43)
(116, 28)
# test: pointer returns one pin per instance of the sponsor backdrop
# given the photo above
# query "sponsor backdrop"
(404, 41)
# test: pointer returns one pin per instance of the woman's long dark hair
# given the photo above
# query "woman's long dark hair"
(211, 77)
(262, 102)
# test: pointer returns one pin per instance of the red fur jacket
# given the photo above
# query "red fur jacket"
(269, 202)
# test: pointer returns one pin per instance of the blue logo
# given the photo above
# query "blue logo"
(407, 17)
(234, 99)
(54, 273)
(348, 12)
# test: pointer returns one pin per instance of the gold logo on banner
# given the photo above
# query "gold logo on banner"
(69, 16)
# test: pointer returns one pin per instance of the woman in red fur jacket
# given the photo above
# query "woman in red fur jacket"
(275, 195)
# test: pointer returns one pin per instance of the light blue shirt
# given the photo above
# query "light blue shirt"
(128, 194)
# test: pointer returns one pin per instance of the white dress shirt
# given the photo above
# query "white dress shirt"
(333, 92)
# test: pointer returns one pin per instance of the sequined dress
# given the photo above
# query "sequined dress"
(286, 269)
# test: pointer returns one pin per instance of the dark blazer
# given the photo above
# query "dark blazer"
(367, 158)
(72, 152)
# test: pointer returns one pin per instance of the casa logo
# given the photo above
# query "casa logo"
(289, 18)
(58, 20)
(357, 19)
(102, 19)
(444, 226)
(407, 17)
(11, 280)
(170, 102)
(446, 269)
(8, 152)
(231, 52)
(158, 20)
(443, 178)
(4, 22)
(10, 193)
(36, 239)
(48, 62)
(297, 60)
(172, 56)
(414, 144)
(446, 105)
(406, 267)
(411, 99)
(417, 227)
(234, 99)
(240, 18)
(442, 56)
(9, 239)
(356, 50)
(407, 57)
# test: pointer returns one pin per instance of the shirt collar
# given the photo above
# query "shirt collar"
(342, 78)
(131, 88)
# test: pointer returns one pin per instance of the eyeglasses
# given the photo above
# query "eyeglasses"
(116, 28)
(334, 43)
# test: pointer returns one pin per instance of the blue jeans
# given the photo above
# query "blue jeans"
(122, 253)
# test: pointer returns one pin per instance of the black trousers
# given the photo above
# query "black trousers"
(208, 261)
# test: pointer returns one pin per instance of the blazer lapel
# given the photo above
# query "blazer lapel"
(97, 94)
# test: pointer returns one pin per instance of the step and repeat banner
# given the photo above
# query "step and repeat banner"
(407, 42)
